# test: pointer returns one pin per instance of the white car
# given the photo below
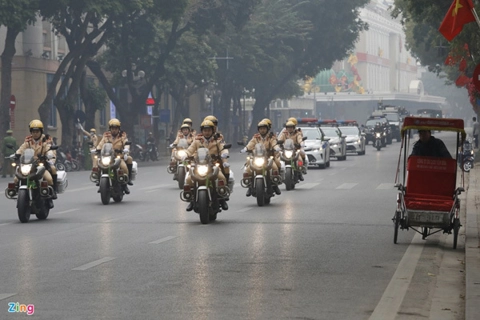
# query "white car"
(316, 147)
(355, 139)
(338, 145)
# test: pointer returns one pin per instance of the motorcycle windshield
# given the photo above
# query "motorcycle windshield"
(182, 144)
(289, 145)
(202, 156)
(107, 150)
(28, 156)
(260, 150)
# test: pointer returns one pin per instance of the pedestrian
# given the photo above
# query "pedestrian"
(8, 148)
(476, 131)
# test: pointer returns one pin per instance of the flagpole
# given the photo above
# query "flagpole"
(476, 17)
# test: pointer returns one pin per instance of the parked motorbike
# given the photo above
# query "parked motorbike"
(179, 171)
(261, 179)
(112, 179)
(207, 191)
(33, 194)
(467, 158)
(151, 152)
(293, 163)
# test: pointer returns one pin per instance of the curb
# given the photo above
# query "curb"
(472, 247)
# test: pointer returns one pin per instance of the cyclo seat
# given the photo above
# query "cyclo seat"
(430, 183)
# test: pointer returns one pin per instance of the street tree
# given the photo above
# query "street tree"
(15, 15)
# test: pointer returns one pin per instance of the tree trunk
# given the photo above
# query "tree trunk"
(90, 108)
(6, 80)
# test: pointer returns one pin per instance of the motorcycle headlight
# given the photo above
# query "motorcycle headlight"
(181, 153)
(377, 135)
(288, 153)
(259, 162)
(106, 161)
(359, 141)
(202, 170)
(25, 169)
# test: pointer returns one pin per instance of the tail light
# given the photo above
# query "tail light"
(120, 172)
(11, 185)
(221, 183)
(95, 169)
(186, 188)
(300, 163)
(275, 172)
(44, 184)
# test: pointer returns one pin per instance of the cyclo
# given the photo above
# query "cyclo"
(428, 199)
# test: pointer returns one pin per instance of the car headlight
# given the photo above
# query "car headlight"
(202, 170)
(259, 161)
(25, 169)
(334, 145)
(359, 141)
(377, 135)
(181, 154)
(106, 160)
(288, 153)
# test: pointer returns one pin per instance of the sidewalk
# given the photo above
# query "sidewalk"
(472, 246)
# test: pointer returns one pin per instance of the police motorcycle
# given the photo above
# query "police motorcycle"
(151, 152)
(111, 178)
(180, 170)
(261, 179)
(33, 194)
(377, 142)
(207, 190)
(290, 155)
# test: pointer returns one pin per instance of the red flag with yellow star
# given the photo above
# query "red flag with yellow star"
(459, 14)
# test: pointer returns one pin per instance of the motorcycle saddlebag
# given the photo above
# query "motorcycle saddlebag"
(134, 170)
(62, 181)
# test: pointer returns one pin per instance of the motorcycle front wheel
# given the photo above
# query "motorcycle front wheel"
(105, 190)
(181, 177)
(289, 178)
(202, 202)
(260, 191)
(23, 206)
(467, 165)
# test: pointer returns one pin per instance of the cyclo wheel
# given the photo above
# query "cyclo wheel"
(456, 228)
(396, 221)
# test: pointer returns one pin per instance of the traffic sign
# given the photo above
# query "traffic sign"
(13, 102)
(476, 77)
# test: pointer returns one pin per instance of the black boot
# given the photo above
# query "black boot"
(300, 176)
(54, 194)
(249, 192)
(223, 204)
(190, 206)
(125, 189)
(130, 183)
(276, 189)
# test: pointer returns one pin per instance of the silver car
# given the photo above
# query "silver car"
(355, 139)
(338, 145)
(316, 147)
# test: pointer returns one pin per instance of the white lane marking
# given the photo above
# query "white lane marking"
(150, 191)
(388, 306)
(127, 216)
(91, 187)
(163, 240)
(244, 209)
(385, 186)
(66, 211)
(4, 224)
(6, 295)
(307, 185)
(155, 187)
(93, 264)
(346, 186)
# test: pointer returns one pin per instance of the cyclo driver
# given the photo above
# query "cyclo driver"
(270, 142)
(37, 142)
(207, 140)
(118, 138)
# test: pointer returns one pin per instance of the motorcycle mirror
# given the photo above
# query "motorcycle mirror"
(53, 147)
(240, 143)
(128, 143)
(304, 138)
(227, 146)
